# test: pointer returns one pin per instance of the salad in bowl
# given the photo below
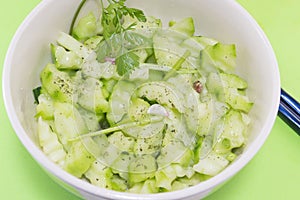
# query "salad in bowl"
(129, 103)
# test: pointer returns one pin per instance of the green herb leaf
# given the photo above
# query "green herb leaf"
(126, 63)
(121, 43)
(112, 17)
(118, 43)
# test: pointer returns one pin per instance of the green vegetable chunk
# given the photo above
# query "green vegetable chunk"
(142, 168)
(78, 159)
(58, 84)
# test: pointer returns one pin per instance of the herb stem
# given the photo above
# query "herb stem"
(177, 65)
(118, 128)
(76, 15)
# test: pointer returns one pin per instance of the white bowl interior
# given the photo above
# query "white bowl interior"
(223, 20)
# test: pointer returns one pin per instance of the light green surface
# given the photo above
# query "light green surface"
(274, 173)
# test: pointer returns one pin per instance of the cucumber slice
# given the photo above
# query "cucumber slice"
(91, 96)
(71, 44)
(79, 159)
(138, 109)
(99, 175)
(118, 183)
(142, 168)
(86, 27)
(91, 119)
(185, 26)
(215, 86)
(188, 182)
(50, 143)
(211, 165)
(205, 41)
(119, 101)
(147, 187)
(109, 84)
(65, 59)
(174, 152)
(221, 56)
(176, 128)
(234, 130)
(237, 101)
(167, 48)
(93, 42)
(165, 177)
(191, 102)
(147, 71)
(94, 69)
(146, 28)
(109, 154)
(68, 123)
(233, 81)
(121, 142)
(163, 93)
(150, 138)
(58, 84)
(121, 164)
(45, 108)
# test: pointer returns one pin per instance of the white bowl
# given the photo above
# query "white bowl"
(224, 20)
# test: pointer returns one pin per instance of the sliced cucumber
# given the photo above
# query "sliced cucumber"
(99, 175)
(91, 119)
(165, 177)
(50, 143)
(45, 108)
(121, 142)
(146, 28)
(147, 71)
(176, 128)
(150, 138)
(163, 93)
(71, 44)
(142, 168)
(185, 26)
(174, 152)
(86, 27)
(121, 164)
(167, 48)
(118, 183)
(188, 181)
(68, 123)
(211, 165)
(138, 109)
(233, 81)
(91, 96)
(79, 159)
(233, 130)
(205, 41)
(94, 69)
(192, 102)
(93, 42)
(66, 59)
(237, 101)
(147, 187)
(221, 56)
(119, 101)
(58, 84)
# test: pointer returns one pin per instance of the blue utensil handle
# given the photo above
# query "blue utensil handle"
(289, 111)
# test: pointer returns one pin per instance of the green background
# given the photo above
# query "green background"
(274, 173)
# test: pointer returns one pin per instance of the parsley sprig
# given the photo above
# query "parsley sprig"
(115, 35)
(112, 15)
